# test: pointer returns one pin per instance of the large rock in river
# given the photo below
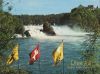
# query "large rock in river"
(48, 29)
(27, 33)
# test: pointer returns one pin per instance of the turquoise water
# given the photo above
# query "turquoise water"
(72, 52)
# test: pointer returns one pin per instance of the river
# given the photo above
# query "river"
(44, 65)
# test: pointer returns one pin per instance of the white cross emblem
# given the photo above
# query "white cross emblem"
(35, 53)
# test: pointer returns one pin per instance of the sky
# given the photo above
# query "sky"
(44, 7)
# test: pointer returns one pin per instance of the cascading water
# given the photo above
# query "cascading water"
(63, 33)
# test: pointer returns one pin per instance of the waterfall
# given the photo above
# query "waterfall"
(63, 33)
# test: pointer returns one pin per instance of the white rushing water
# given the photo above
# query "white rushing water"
(63, 33)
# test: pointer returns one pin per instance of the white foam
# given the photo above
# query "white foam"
(63, 33)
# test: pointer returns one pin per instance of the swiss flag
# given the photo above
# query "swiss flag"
(34, 55)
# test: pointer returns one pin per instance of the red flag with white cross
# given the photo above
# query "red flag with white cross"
(34, 55)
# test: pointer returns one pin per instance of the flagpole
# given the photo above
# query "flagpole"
(18, 67)
(18, 61)
(63, 66)
(39, 63)
(63, 59)
(39, 67)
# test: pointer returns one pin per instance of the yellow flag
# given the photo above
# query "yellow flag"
(58, 54)
(14, 55)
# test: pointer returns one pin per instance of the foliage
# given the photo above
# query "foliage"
(83, 16)
(87, 19)
(10, 70)
(6, 29)
(90, 58)
(40, 19)
(9, 25)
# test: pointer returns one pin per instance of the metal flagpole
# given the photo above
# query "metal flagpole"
(39, 60)
(18, 67)
(63, 58)
(39, 67)
(18, 59)
(63, 66)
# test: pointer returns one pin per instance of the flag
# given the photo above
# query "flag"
(14, 55)
(34, 55)
(58, 54)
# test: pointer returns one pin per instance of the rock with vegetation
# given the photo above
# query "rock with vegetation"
(48, 29)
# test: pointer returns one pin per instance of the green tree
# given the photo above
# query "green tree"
(89, 22)
(9, 25)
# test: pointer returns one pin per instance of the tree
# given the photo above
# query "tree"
(89, 22)
(9, 25)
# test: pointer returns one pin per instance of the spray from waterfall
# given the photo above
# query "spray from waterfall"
(63, 33)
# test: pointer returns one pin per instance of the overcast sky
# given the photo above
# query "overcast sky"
(33, 7)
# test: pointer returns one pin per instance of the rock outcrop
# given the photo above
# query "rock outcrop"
(48, 29)
(27, 33)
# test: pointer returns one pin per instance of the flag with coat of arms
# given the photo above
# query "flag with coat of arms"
(34, 55)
